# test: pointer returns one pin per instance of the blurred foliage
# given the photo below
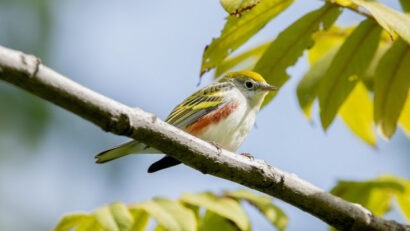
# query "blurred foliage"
(357, 113)
(360, 72)
(405, 4)
(238, 30)
(377, 195)
(191, 212)
(23, 115)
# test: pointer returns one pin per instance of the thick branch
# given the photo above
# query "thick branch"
(25, 71)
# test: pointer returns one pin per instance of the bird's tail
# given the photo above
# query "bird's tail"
(163, 163)
(122, 150)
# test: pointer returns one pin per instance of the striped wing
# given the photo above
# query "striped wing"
(199, 104)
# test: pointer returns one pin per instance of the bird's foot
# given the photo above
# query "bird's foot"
(246, 154)
(217, 146)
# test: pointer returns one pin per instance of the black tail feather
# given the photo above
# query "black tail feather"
(165, 162)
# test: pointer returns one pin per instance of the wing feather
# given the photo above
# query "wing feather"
(199, 104)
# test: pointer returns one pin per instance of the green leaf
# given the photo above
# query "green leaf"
(326, 40)
(90, 225)
(225, 207)
(376, 195)
(403, 199)
(171, 215)
(72, 221)
(159, 228)
(309, 85)
(351, 61)
(264, 204)
(238, 6)
(141, 219)
(405, 117)
(105, 219)
(214, 222)
(122, 216)
(391, 20)
(391, 87)
(320, 56)
(238, 30)
(405, 4)
(290, 44)
(246, 60)
(368, 77)
(345, 3)
(357, 112)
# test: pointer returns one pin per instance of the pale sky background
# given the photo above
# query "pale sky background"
(148, 54)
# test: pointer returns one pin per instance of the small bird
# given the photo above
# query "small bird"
(221, 113)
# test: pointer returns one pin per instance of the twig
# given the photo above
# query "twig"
(354, 9)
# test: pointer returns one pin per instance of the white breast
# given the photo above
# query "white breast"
(230, 132)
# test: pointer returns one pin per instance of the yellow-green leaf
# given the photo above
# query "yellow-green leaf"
(264, 204)
(171, 215)
(351, 61)
(238, 30)
(308, 87)
(357, 112)
(376, 195)
(243, 61)
(238, 6)
(290, 44)
(391, 87)
(214, 222)
(225, 207)
(404, 119)
(347, 3)
(403, 199)
(160, 228)
(90, 225)
(141, 219)
(405, 4)
(391, 20)
(72, 221)
(326, 40)
(105, 219)
(122, 216)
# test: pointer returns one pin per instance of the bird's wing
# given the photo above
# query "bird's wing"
(199, 104)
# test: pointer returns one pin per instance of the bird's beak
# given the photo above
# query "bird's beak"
(268, 87)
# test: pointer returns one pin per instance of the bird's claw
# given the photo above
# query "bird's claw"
(247, 155)
(217, 146)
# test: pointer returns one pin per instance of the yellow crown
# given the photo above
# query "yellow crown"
(247, 74)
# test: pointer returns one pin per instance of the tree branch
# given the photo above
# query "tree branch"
(26, 71)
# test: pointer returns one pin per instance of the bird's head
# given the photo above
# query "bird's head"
(251, 84)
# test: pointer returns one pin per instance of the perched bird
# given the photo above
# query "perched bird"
(221, 113)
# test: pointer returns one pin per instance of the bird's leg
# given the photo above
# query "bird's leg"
(246, 154)
(217, 146)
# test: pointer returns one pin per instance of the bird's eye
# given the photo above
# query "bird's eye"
(248, 84)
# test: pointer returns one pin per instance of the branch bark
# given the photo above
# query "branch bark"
(27, 72)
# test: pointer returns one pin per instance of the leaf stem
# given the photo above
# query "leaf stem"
(355, 9)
